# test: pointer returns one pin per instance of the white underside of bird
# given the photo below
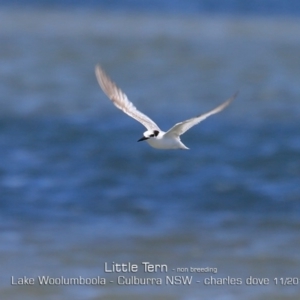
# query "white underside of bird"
(154, 136)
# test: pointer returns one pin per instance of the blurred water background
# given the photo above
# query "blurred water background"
(77, 190)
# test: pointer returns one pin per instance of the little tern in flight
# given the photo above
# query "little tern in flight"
(154, 135)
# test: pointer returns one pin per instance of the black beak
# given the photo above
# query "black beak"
(142, 139)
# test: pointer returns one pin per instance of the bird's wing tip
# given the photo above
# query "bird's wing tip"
(233, 97)
(235, 94)
(98, 68)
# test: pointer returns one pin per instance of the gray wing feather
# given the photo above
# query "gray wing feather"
(121, 101)
(180, 128)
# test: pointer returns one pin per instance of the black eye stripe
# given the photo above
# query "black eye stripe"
(156, 132)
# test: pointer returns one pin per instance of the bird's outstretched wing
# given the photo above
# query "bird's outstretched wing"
(121, 101)
(180, 128)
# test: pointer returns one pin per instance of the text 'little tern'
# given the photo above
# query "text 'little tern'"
(154, 135)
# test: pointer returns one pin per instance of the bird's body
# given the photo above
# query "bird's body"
(154, 135)
(164, 141)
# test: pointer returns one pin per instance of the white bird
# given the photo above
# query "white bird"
(154, 135)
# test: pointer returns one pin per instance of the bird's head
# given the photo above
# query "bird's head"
(149, 134)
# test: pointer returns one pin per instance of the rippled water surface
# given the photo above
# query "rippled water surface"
(77, 190)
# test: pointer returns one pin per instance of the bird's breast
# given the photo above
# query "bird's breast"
(164, 143)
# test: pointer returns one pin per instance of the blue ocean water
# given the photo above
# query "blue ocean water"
(77, 190)
(264, 7)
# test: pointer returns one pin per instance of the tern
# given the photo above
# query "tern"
(154, 135)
